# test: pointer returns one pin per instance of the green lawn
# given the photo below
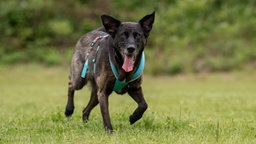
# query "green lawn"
(206, 108)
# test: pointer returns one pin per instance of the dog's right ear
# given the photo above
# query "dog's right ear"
(110, 24)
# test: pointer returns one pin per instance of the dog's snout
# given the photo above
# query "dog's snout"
(131, 49)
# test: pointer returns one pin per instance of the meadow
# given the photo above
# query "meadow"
(186, 108)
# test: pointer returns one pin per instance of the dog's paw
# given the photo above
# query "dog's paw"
(85, 119)
(109, 130)
(132, 119)
(69, 112)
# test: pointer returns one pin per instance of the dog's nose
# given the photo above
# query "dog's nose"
(131, 49)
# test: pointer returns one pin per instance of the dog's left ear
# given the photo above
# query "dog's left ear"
(111, 24)
(147, 23)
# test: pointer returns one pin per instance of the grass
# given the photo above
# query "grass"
(206, 108)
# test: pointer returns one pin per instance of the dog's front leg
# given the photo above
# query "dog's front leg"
(137, 95)
(102, 94)
(103, 100)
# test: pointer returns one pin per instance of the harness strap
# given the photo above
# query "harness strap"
(86, 64)
(85, 68)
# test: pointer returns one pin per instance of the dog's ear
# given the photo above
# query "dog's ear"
(110, 24)
(147, 23)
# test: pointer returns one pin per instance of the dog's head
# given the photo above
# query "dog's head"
(129, 37)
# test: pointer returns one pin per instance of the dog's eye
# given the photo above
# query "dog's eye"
(126, 34)
(135, 35)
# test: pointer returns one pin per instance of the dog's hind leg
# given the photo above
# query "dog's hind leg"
(76, 82)
(91, 104)
(70, 103)
(137, 95)
(71, 91)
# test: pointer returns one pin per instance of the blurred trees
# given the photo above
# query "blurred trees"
(188, 35)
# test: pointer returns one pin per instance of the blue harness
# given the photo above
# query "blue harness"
(119, 85)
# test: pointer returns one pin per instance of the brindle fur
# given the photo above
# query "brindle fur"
(124, 38)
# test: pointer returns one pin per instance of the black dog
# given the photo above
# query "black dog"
(110, 58)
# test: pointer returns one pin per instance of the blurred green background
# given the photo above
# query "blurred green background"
(189, 36)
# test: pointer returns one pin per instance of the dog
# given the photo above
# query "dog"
(110, 58)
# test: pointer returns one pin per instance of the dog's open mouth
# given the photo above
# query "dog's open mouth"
(128, 63)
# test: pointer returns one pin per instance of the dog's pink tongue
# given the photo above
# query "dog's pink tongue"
(128, 64)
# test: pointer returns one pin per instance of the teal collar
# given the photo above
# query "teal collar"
(120, 85)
